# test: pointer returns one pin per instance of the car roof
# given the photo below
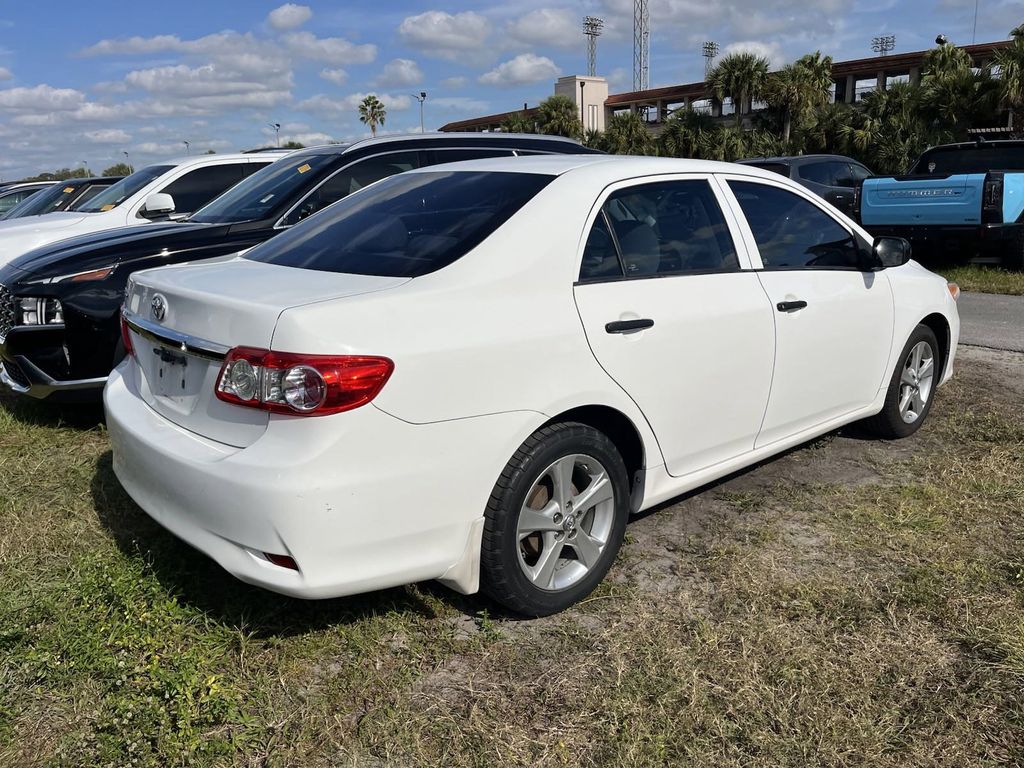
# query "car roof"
(178, 162)
(22, 184)
(798, 159)
(608, 167)
(999, 143)
(457, 138)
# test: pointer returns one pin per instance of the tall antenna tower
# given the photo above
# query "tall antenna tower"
(709, 50)
(641, 46)
(592, 27)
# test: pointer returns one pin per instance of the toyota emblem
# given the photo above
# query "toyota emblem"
(159, 307)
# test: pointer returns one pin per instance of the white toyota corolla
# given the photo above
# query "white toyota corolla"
(476, 372)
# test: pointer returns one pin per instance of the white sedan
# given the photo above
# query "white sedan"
(476, 372)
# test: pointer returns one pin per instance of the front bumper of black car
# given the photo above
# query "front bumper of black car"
(23, 353)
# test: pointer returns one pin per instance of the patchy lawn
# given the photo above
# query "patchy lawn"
(986, 279)
(850, 603)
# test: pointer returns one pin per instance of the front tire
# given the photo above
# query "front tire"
(908, 400)
(555, 520)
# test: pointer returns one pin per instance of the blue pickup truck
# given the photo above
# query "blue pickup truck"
(963, 202)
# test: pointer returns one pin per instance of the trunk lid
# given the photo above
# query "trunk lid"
(187, 317)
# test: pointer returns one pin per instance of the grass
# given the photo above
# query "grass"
(986, 279)
(851, 603)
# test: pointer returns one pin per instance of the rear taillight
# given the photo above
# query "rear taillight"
(858, 194)
(126, 337)
(992, 199)
(306, 385)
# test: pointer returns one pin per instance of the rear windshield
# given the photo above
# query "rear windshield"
(267, 189)
(780, 168)
(404, 226)
(117, 193)
(970, 160)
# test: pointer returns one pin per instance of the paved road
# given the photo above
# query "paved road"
(990, 320)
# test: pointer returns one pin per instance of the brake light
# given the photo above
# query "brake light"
(126, 337)
(858, 194)
(992, 199)
(305, 385)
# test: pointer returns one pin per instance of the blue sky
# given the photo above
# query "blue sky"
(89, 81)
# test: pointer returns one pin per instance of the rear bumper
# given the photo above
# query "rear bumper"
(361, 500)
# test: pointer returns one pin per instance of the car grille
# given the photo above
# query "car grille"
(6, 312)
(15, 373)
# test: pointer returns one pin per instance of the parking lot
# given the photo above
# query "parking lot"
(851, 602)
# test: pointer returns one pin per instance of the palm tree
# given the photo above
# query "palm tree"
(685, 133)
(559, 116)
(593, 138)
(961, 98)
(825, 131)
(945, 60)
(372, 113)
(799, 88)
(518, 122)
(627, 134)
(1010, 61)
(726, 144)
(741, 76)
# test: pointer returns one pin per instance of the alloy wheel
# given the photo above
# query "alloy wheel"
(916, 381)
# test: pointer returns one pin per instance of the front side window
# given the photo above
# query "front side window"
(405, 226)
(791, 232)
(358, 175)
(670, 227)
(820, 173)
(117, 193)
(196, 188)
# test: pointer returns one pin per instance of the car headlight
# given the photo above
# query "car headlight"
(33, 311)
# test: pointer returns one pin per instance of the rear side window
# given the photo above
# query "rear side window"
(670, 227)
(793, 233)
(405, 226)
(196, 188)
(780, 168)
(819, 173)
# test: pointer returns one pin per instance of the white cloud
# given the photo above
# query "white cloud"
(41, 98)
(289, 16)
(336, 76)
(329, 50)
(460, 104)
(770, 51)
(399, 73)
(522, 70)
(454, 82)
(554, 27)
(330, 105)
(445, 35)
(5, 74)
(108, 136)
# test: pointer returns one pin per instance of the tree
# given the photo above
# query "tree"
(945, 60)
(293, 145)
(559, 116)
(686, 134)
(627, 134)
(118, 169)
(961, 99)
(593, 138)
(824, 132)
(518, 122)
(210, 152)
(741, 76)
(1010, 61)
(799, 88)
(372, 113)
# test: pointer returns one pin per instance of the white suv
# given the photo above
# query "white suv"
(176, 187)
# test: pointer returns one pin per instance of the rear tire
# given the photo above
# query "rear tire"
(908, 400)
(555, 520)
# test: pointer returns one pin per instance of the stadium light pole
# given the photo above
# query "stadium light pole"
(277, 133)
(128, 162)
(421, 98)
(188, 151)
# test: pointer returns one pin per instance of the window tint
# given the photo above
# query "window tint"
(269, 190)
(820, 173)
(11, 199)
(361, 174)
(844, 175)
(45, 201)
(977, 159)
(664, 228)
(87, 194)
(406, 226)
(196, 188)
(792, 232)
(456, 155)
(600, 258)
(859, 172)
(117, 193)
(780, 168)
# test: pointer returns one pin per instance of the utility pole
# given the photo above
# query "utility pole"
(592, 27)
(641, 45)
(583, 124)
(421, 98)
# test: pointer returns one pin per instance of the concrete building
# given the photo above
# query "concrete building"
(852, 79)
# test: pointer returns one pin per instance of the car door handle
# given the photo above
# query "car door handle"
(628, 326)
(790, 306)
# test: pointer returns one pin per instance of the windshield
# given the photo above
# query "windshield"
(41, 202)
(256, 197)
(970, 160)
(117, 193)
(404, 226)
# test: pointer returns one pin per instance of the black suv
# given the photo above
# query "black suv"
(832, 177)
(59, 304)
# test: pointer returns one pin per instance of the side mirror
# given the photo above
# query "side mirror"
(158, 204)
(891, 251)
